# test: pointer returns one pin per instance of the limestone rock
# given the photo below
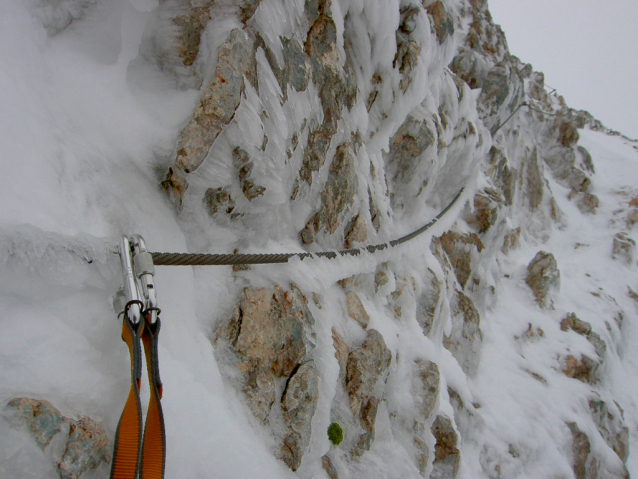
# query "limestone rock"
(459, 249)
(428, 301)
(495, 89)
(485, 210)
(266, 340)
(623, 248)
(296, 70)
(189, 28)
(86, 448)
(358, 232)
(408, 50)
(337, 195)
(272, 329)
(260, 390)
(426, 386)
(380, 280)
(581, 449)
(330, 469)
(247, 9)
(336, 83)
(543, 277)
(610, 424)
(511, 240)
(297, 65)
(314, 155)
(584, 369)
(356, 309)
(406, 146)
(567, 132)
(219, 201)
(341, 354)
(219, 100)
(366, 365)
(465, 338)
(363, 445)
(244, 167)
(586, 162)
(442, 22)
(571, 321)
(175, 184)
(86, 445)
(534, 181)
(447, 456)
(42, 419)
(588, 203)
(298, 404)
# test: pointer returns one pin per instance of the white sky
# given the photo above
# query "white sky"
(588, 50)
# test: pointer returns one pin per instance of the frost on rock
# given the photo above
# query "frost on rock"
(543, 277)
(623, 248)
(337, 196)
(428, 302)
(365, 368)
(267, 341)
(219, 100)
(460, 249)
(57, 15)
(287, 126)
(447, 456)
(464, 342)
(86, 445)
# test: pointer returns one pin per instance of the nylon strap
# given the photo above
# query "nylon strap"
(154, 445)
(128, 437)
(133, 457)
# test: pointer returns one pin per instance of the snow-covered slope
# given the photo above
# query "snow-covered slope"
(289, 126)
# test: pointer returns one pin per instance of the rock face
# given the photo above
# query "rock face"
(428, 302)
(86, 443)
(337, 196)
(623, 248)
(366, 365)
(298, 405)
(314, 127)
(219, 100)
(465, 339)
(543, 277)
(447, 458)
(267, 341)
(356, 310)
(460, 249)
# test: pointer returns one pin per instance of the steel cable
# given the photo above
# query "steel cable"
(204, 259)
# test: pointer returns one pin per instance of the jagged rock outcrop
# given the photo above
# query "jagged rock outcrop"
(460, 250)
(365, 367)
(464, 342)
(447, 456)
(319, 125)
(543, 277)
(84, 442)
(623, 248)
(329, 134)
(267, 341)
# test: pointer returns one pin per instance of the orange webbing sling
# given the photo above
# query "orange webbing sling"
(132, 457)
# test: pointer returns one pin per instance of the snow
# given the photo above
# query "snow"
(87, 131)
